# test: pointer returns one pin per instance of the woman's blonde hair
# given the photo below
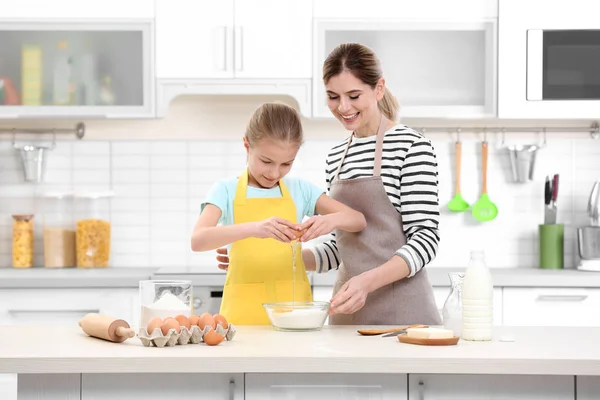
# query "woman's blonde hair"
(275, 121)
(363, 64)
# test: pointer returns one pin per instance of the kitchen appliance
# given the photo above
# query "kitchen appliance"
(588, 237)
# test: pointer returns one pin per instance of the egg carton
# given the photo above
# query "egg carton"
(194, 335)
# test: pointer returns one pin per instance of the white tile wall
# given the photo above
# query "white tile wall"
(159, 186)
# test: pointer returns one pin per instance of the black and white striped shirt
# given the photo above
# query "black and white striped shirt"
(409, 172)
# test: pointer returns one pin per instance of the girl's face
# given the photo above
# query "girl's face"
(269, 161)
(354, 103)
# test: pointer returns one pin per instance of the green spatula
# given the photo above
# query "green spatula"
(484, 210)
(458, 204)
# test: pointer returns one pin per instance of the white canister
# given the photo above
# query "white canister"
(477, 300)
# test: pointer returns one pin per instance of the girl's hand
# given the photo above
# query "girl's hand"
(223, 258)
(315, 226)
(275, 228)
(351, 297)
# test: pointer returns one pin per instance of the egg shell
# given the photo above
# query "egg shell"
(183, 321)
(168, 324)
(154, 323)
(221, 320)
(207, 319)
(212, 338)
(194, 320)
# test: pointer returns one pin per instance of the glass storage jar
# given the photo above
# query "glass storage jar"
(22, 249)
(93, 229)
(165, 298)
(59, 230)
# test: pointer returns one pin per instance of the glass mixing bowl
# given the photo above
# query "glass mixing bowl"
(297, 316)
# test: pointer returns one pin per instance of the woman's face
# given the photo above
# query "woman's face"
(353, 102)
(269, 161)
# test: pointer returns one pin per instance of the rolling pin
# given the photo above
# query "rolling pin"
(105, 327)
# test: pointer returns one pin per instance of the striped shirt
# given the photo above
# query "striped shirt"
(409, 172)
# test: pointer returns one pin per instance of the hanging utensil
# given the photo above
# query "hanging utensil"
(548, 218)
(484, 210)
(458, 204)
(554, 197)
(593, 207)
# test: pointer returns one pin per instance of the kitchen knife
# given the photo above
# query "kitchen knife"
(396, 333)
(554, 197)
(547, 200)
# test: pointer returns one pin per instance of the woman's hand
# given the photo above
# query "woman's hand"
(223, 258)
(351, 297)
(275, 228)
(317, 225)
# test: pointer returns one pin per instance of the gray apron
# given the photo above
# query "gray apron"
(404, 302)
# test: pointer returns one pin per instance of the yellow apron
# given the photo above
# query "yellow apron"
(260, 270)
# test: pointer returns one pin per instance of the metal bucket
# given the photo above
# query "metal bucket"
(33, 159)
(522, 161)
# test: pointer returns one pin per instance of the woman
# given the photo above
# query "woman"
(388, 172)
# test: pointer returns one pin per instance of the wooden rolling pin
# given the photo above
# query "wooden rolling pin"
(105, 327)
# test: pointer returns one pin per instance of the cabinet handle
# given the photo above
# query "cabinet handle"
(232, 389)
(421, 390)
(239, 47)
(562, 297)
(34, 311)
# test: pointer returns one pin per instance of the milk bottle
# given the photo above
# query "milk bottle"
(477, 299)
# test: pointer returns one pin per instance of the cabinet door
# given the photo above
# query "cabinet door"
(490, 387)
(64, 306)
(441, 293)
(49, 387)
(551, 306)
(588, 387)
(194, 39)
(273, 39)
(66, 9)
(8, 386)
(325, 386)
(77, 69)
(158, 386)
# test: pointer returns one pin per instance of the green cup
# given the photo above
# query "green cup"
(552, 244)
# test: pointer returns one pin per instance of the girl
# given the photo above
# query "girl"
(260, 213)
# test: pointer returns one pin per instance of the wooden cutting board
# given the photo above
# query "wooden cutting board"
(428, 342)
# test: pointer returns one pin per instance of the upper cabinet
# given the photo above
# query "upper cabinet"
(439, 68)
(266, 39)
(61, 59)
(549, 59)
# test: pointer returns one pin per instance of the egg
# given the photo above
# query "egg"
(154, 323)
(212, 338)
(220, 320)
(168, 324)
(183, 321)
(194, 320)
(207, 319)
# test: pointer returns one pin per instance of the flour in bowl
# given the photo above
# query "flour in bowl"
(168, 305)
(298, 319)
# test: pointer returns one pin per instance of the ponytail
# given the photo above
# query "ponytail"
(388, 105)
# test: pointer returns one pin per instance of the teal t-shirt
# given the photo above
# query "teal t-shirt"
(303, 193)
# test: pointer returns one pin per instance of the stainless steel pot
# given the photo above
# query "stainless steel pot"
(594, 205)
(588, 240)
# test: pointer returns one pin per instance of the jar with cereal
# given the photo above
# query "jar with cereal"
(22, 249)
(93, 230)
(59, 230)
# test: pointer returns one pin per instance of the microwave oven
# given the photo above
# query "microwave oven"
(549, 60)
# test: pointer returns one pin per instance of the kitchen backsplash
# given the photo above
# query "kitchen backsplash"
(159, 185)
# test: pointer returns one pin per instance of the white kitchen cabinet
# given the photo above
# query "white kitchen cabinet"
(489, 387)
(77, 68)
(158, 386)
(588, 387)
(268, 39)
(8, 386)
(77, 9)
(441, 293)
(551, 306)
(65, 306)
(325, 386)
(49, 387)
(435, 68)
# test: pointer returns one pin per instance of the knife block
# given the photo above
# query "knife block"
(551, 246)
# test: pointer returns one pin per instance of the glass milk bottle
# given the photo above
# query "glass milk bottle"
(477, 299)
(452, 312)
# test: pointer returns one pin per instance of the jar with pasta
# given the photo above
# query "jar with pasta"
(93, 230)
(22, 249)
(59, 230)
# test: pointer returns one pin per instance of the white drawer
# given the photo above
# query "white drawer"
(441, 293)
(551, 307)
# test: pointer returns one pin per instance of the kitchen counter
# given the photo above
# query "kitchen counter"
(335, 349)
(15, 278)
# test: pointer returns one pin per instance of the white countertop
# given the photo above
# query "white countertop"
(335, 349)
(15, 278)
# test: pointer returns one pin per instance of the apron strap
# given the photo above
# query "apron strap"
(378, 150)
(242, 188)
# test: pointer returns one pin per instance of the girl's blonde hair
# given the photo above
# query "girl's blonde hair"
(275, 121)
(363, 64)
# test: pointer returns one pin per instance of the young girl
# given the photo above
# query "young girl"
(259, 214)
